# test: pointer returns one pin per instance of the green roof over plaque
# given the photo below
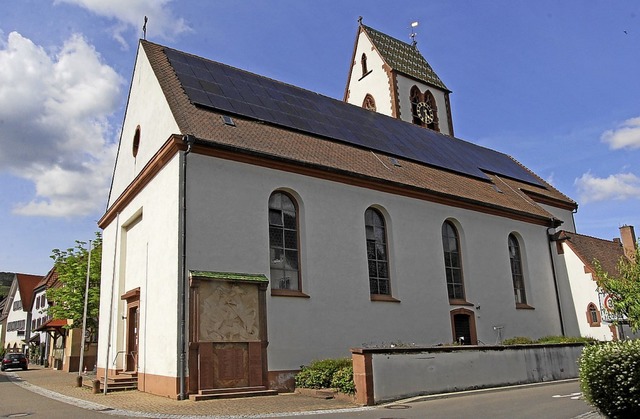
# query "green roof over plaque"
(229, 276)
(403, 57)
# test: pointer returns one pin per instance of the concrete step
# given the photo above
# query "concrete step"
(232, 393)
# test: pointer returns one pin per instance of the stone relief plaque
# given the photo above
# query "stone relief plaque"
(228, 312)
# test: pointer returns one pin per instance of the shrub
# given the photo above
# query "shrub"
(523, 340)
(518, 340)
(610, 377)
(320, 374)
(566, 339)
(342, 380)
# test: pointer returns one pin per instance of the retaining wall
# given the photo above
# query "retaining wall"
(384, 374)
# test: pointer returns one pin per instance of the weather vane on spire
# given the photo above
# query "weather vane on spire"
(413, 33)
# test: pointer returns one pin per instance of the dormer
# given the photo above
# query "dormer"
(393, 78)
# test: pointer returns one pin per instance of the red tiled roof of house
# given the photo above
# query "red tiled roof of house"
(26, 285)
(588, 249)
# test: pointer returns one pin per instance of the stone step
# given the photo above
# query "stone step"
(232, 393)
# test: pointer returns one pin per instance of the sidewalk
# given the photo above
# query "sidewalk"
(52, 383)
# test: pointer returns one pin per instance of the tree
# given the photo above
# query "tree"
(623, 288)
(67, 299)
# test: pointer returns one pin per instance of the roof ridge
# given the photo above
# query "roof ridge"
(612, 241)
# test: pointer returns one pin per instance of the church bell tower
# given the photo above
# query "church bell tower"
(393, 78)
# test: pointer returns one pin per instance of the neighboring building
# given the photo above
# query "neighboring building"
(16, 317)
(253, 226)
(55, 344)
(586, 304)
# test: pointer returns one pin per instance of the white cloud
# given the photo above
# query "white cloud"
(615, 187)
(627, 135)
(130, 15)
(54, 128)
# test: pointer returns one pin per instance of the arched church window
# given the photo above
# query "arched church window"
(363, 63)
(369, 103)
(415, 97)
(430, 101)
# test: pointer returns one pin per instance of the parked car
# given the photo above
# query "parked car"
(14, 360)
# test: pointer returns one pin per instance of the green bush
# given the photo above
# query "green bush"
(523, 340)
(566, 339)
(610, 377)
(518, 340)
(320, 374)
(342, 380)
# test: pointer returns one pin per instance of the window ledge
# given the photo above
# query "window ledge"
(288, 293)
(594, 324)
(459, 302)
(384, 297)
(523, 306)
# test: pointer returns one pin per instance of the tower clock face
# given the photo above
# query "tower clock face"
(425, 113)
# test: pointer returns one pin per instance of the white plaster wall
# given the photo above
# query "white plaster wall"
(584, 291)
(375, 83)
(228, 231)
(398, 375)
(152, 265)
(39, 313)
(562, 214)
(404, 89)
(12, 337)
(148, 108)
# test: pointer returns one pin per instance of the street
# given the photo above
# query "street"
(561, 400)
(16, 402)
(552, 401)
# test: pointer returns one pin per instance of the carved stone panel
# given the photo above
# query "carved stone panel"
(228, 312)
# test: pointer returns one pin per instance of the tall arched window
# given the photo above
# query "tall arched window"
(363, 63)
(452, 261)
(415, 97)
(517, 274)
(377, 258)
(284, 251)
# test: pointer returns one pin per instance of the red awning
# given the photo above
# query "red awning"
(53, 325)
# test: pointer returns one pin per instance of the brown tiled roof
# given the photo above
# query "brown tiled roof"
(26, 285)
(588, 249)
(270, 143)
(403, 57)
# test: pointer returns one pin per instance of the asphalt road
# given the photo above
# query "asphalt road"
(16, 402)
(549, 401)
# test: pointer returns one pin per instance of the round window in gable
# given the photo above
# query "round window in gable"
(136, 141)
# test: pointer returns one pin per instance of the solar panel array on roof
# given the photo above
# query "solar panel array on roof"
(218, 86)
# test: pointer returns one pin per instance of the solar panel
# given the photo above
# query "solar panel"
(218, 86)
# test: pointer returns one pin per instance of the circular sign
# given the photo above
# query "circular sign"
(608, 303)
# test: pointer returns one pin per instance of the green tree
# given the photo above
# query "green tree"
(67, 299)
(623, 288)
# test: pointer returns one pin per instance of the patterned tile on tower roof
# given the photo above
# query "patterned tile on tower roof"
(403, 57)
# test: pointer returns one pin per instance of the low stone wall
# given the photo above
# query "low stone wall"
(384, 374)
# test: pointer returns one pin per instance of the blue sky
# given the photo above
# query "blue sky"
(555, 84)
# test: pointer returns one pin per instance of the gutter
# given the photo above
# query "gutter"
(182, 282)
(553, 238)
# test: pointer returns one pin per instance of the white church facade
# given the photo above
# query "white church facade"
(253, 226)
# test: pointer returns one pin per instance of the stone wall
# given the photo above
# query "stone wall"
(384, 374)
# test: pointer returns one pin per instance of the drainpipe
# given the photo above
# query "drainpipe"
(555, 277)
(182, 283)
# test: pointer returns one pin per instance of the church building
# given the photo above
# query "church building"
(254, 226)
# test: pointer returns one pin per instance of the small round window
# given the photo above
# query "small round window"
(136, 141)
